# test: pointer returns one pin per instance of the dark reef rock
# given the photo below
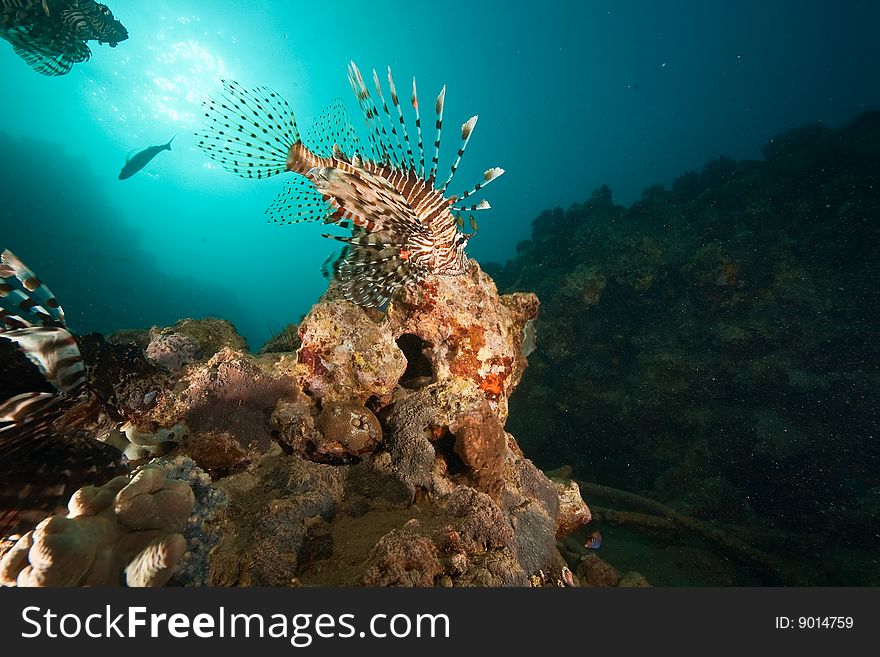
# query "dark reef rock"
(374, 455)
(716, 343)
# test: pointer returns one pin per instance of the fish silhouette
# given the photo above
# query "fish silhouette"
(139, 160)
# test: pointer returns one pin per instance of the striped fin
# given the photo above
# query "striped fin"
(410, 162)
(488, 176)
(372, 270)
(397, 152)
(17, 409)
(28, 417)
(54, 351)
(49, 51)
(298, 202)
(249, 132)
(45, 470)
(369, 201)
(371, 116)
(24, 298)
(466, 130)
(415, 103)
(482, 205)
(333, 128)
(441, 99)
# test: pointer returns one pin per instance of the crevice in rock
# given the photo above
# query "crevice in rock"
(419, 369)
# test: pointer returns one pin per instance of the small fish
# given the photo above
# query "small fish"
(568, 576)
(136, 162)
(594, 541)
(403, 223)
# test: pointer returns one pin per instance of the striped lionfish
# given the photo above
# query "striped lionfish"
(51, 415)
(403, 225)
(51, 35)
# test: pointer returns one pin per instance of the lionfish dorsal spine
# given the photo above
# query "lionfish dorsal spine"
(466, 129)
(371, 116)
(395, 100)
(438, 107)
(482, 205)
(415, 104)
(488, 176)
(398, 152)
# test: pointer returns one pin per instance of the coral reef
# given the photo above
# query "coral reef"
(172, 350)
(721, 335)
(127, 530)
(375, 454)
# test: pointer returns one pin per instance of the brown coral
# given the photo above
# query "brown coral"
(472, 332)
(126, 530)
(573, 511)
(345, 355)
(230, 394)
(402, 559)
(481, 444)
(347, 429)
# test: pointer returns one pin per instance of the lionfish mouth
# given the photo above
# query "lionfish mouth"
(399, 213)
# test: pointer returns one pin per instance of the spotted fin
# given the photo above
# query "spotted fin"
(298, 202)
(333, 128)
(248, 131)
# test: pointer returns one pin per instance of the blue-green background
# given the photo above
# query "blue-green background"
(570, 96)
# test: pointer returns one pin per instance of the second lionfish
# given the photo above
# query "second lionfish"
(403, 224)
(51, 35)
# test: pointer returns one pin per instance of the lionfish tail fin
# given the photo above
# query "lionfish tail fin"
(249, 132)
(24, 299)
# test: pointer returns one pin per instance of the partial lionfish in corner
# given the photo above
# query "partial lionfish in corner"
(49, 415)
(51, 35)
(401, 218)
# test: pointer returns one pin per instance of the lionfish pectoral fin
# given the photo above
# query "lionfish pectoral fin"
(298, 202)
(370, 271)
(54, 351)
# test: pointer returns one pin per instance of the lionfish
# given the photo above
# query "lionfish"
(403, 224)
(51, 415)
(51, 35)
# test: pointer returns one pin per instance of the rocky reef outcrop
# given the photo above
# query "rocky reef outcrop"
(368, 450)
(715, 345)
(128, 530)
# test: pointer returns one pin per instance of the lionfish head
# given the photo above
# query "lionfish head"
(92, 20)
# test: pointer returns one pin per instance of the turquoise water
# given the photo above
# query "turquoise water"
(623, 93)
